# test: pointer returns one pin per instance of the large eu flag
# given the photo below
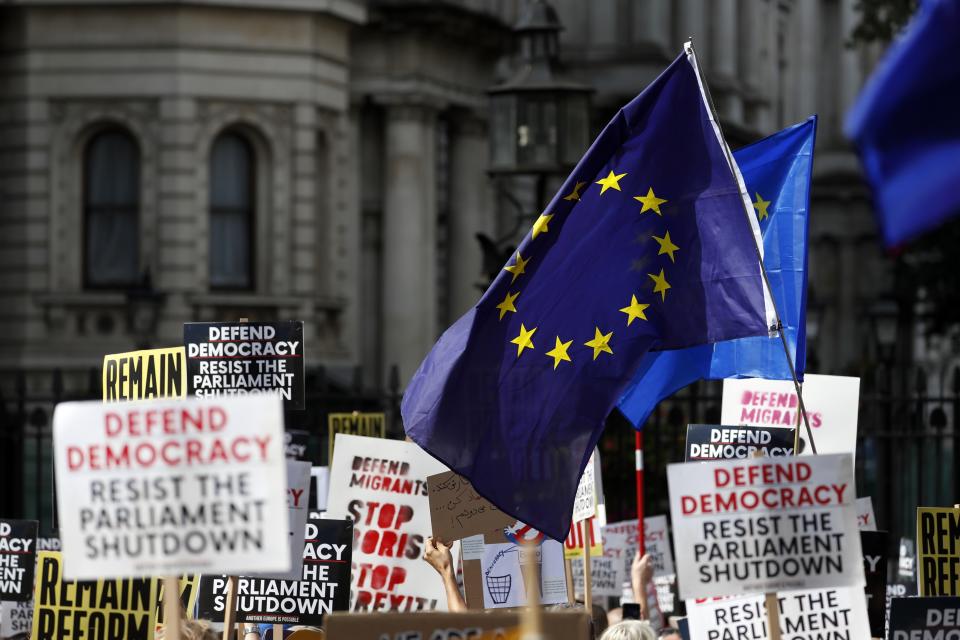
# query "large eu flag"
(906, 125)
(777, 172)
(646, 246)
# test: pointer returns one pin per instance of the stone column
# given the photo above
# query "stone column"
(691, 22)
(470, 211)
(409, 237)
(723, 60)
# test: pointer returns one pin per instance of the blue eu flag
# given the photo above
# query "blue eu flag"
(906, 125)
(646, 246)
(777, 173)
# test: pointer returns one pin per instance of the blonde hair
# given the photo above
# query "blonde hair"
(630, 630)
(191, 630)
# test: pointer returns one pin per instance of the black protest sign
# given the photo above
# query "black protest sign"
(873, 545)
(925, 618)
(18, 554)
(240, 358)
(718, 442)
(295, 443)
(325, 586)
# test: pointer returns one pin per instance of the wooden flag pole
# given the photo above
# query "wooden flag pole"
(530, 623)
(773, 616)
(278, 632)
(171, 608)
(230, 607)
(587, 581)
(568, 574)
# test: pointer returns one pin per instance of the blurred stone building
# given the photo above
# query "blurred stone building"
(326, 160)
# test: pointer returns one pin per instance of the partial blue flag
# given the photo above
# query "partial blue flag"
(906, 126)
(777, 172)
(647, 245)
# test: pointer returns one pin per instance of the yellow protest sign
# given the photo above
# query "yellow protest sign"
(575, 542)
(938, 551)
(141, 375)
(112, 609)
(372, 425)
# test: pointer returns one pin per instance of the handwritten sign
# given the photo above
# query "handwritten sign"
(458, 511)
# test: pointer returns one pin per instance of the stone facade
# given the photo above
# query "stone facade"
(367, 122)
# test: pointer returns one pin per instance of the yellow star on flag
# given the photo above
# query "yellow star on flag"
(660, 284)
(650, 202)
(540, 226)
(666, 246)
(575, 194)
(600, 343)
(761, 206)
(559, 352)
(507, 304)
(612, 181)
(634, 310)
(523, 341)
(517, 268)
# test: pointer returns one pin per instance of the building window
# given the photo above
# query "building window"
(111, 204)
(232, 179)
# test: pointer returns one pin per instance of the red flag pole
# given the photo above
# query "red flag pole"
(639, 466)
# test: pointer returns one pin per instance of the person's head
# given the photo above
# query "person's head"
(630, 630)
(600, 622)
(669, 634)
(614, 616)
(191, 630)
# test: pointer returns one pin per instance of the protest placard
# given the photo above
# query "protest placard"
(938, 543)
(18, 555)
(298, 508)
(765, 524)
(295, 443)
(804, 615)
(931, 618)
(474, 625)
(873, 544)
(865, 518)
(580, 532)
(243, 358)
(48, 543)
(323, 587)
(16, 618)
(718, 442)
(370, 425)
(585, 501)
(656, 538)
(458, 511)
(110, 609)
(381, 485)
(164, 487)
(319, 488)
(141, 375)
(503, 579)
(606, 571)
(832, 403)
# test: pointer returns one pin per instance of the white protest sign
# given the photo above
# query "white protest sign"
(298, 499)
(656, 543)
(502, 573)
(164, 487)
(16, 618)
(606, 572)
(804, 615)
(382, 486)
(765, 524)
(865, 518)
(585, 502)
(832, 404)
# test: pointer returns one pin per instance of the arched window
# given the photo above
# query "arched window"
(111, 207)
(232, 179)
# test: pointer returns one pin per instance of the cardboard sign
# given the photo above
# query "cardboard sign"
(164, 487)
(503, 583)
(319, 488)
(18, 555)
(938, 541)
(323, 587)
(298, 507)
(804, 615)
(577, 538)
(381, 485)
(606, 571)
(765, 524)
(458, 511)
(832, 402)
(141, 375)
(243, 358)
(16, 618)
(474, 625)
(585, 502)
(718, 442)
(656, 542)
(369, 425)
(865, 518)
(66, 609)
(874, 547)
(933, 618)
